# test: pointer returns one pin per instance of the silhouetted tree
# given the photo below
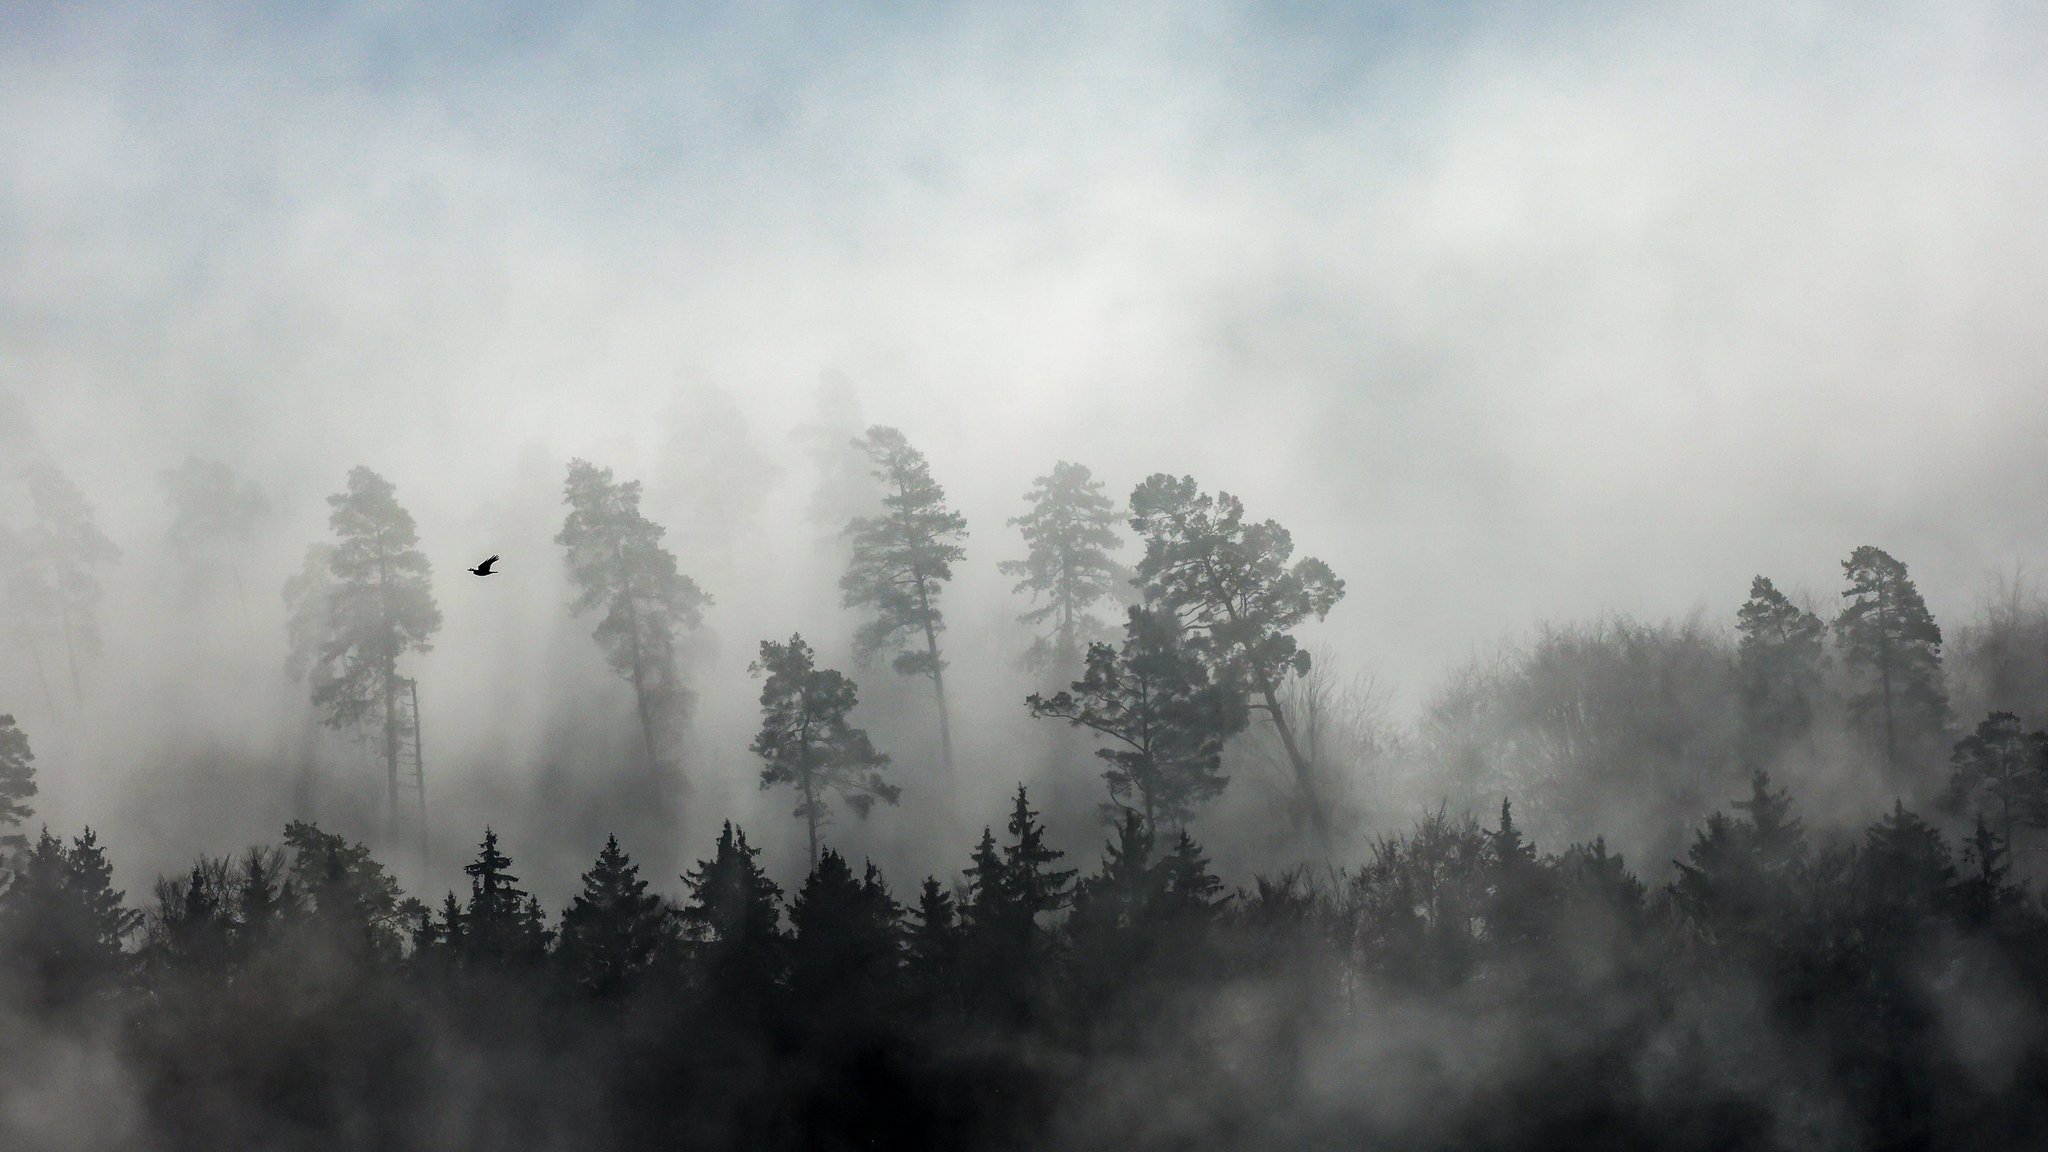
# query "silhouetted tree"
(213, 516)
(1891, 643)
(808, 743)
(55, 577)
(1741, 874)
(901, 562)
(1520, 899)
(846, 944)
(348, 901)
(1905, 874)
(614, 930)
(932, 947)
(17, 782)
(1071, 533)
(617, 563)
(1231, 585)
(503, 924)
(379, 607)
(1155, 700)
(2004, 769)
(1779, 662)
(62, 922)
(1007, 950)
(730, 922)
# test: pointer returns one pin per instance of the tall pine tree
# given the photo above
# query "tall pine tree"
(617, 562)
(1167, 720)
(56, 580)
(1231, 584)
(901, 562)
(1778, 664)
(1891, 644)
(1071, 533)
(380, 606)
(213, 516)
(808, 743)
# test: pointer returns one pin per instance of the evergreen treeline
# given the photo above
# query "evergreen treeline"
(1459, 989)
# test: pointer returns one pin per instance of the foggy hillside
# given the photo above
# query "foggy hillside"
(1636, 416)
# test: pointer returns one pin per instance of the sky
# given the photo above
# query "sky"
(1509, 312)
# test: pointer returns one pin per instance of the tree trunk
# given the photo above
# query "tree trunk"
(391, 745)
(931, 643)
(71, 655)
(35, 655)
(811, 817)
(1304, 774)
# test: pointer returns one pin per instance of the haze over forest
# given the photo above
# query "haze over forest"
(1547, 329)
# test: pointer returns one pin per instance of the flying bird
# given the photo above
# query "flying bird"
(483, 569)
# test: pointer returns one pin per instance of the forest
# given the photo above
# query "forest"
(1765, 879)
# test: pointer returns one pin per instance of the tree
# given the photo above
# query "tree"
(1006, 949)
(806, 740)
(379, 607)
(1155, 700)
(1890, 641)
(1071, 532)
(212, 515)
(1520, 895)
(55, 578)
(617, 562)
(613, 931)
(1778, 661)
(932, 946)
(730, 921)
(62, 921)
(1231, 585)
(2001, 767)
(17, 781)
(846, 943)
(901, 562)
(350, 903)
(503, 923)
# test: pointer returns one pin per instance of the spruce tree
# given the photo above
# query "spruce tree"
(213, 516)
(2002, 769)
(503, 923)
(351, 903)
(1155, 700)
(380, 606)
(932, 945)
(62, 922)
(17, 782)
(806, 740)
(617, 563)
(614, 930)
(731, 919)
(1519, 896)
(901, 562)
(846, 942)
(1070, 532)
(1778, 665)
(1231, 584)
(61, 553)
(1892, 645)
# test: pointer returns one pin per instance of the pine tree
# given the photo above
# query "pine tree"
(846, 944)
(1893, 645)
(613, 931)
(17, 782)
(2002, 768)
(1231, 585)
(932, 946)
(351, 903)
(1779, 659)
(60, 553)
(731, 921)
(213, 515)
(62, 922)
(617, 562)
(28, 601)
(1036, 888)
(808, 743)
(380, 606)
(1905, 875)
(1519, 901)
(1155, 699)
(1071, 533)
(503, 923)
(1984, 895)
(901, 562)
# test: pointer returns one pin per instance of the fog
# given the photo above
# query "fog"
(1520, 317)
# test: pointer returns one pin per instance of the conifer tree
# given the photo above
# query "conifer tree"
(1779, 659)
(617, 562)
(1071, 533)
(1231, 585)
(56, 579)
(846, 943)
(26, 599)
(1518, 902)
(213, 515)
(380, 606)
(1154, 698)
(2004, 769)
(614, 930)
(1984, 894)
(62, 921)
(731, 920)
(17, 782)
(503, 924)
(901, 562)
(932, 946)
(807, 741)
(1892, 644)
(351, 902)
